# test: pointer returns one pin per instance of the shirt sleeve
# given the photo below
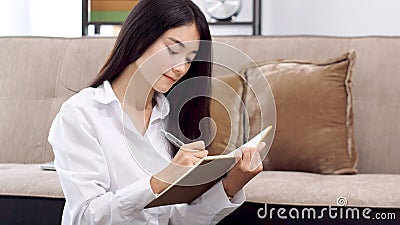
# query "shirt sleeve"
(210, 208)
(83, 174)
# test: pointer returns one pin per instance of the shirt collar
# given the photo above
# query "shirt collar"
(105, 95)
(162, 107)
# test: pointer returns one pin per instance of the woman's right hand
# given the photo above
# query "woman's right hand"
(187, 156)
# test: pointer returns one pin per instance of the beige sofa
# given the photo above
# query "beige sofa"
(34, 71)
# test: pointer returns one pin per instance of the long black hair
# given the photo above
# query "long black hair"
(147, 22)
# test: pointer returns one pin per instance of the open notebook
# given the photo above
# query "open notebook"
(202, 176)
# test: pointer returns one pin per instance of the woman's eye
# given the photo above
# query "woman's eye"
(171, 51)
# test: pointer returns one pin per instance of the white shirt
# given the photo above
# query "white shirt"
(99, 170)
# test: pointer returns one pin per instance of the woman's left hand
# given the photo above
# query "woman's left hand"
(247, 167)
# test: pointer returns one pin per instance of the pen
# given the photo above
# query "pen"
(174, 140)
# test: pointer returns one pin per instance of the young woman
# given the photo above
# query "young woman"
(102, 179)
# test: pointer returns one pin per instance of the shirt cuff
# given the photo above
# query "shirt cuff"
(136, 196)
(217, 198)
(238, 198)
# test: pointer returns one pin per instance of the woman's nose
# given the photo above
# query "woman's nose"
(180, 69)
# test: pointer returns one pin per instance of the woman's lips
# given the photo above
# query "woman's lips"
(170, 78)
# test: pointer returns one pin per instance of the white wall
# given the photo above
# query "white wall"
(14, 17)
(331, 17)
(321, 17)
(279, 17)
(61, 18)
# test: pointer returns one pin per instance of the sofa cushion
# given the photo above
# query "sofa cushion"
(299, 188)
(29, 180)
(314, 130)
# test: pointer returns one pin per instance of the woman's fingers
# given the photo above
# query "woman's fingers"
(251, 157)
(261, 146)
(190, 154)
(256, 161)
(196, 149)
(258, 166)
(194, 157)
(197, 145)
(238, 158)
(200, 154)
(246, 157)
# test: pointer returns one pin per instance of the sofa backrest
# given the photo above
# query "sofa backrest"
(34, 71)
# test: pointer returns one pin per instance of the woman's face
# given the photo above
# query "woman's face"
(169, 58)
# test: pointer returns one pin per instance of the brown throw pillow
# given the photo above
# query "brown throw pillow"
(226, 110)
(314, 130)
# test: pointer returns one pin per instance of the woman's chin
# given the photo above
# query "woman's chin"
(163, 88)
